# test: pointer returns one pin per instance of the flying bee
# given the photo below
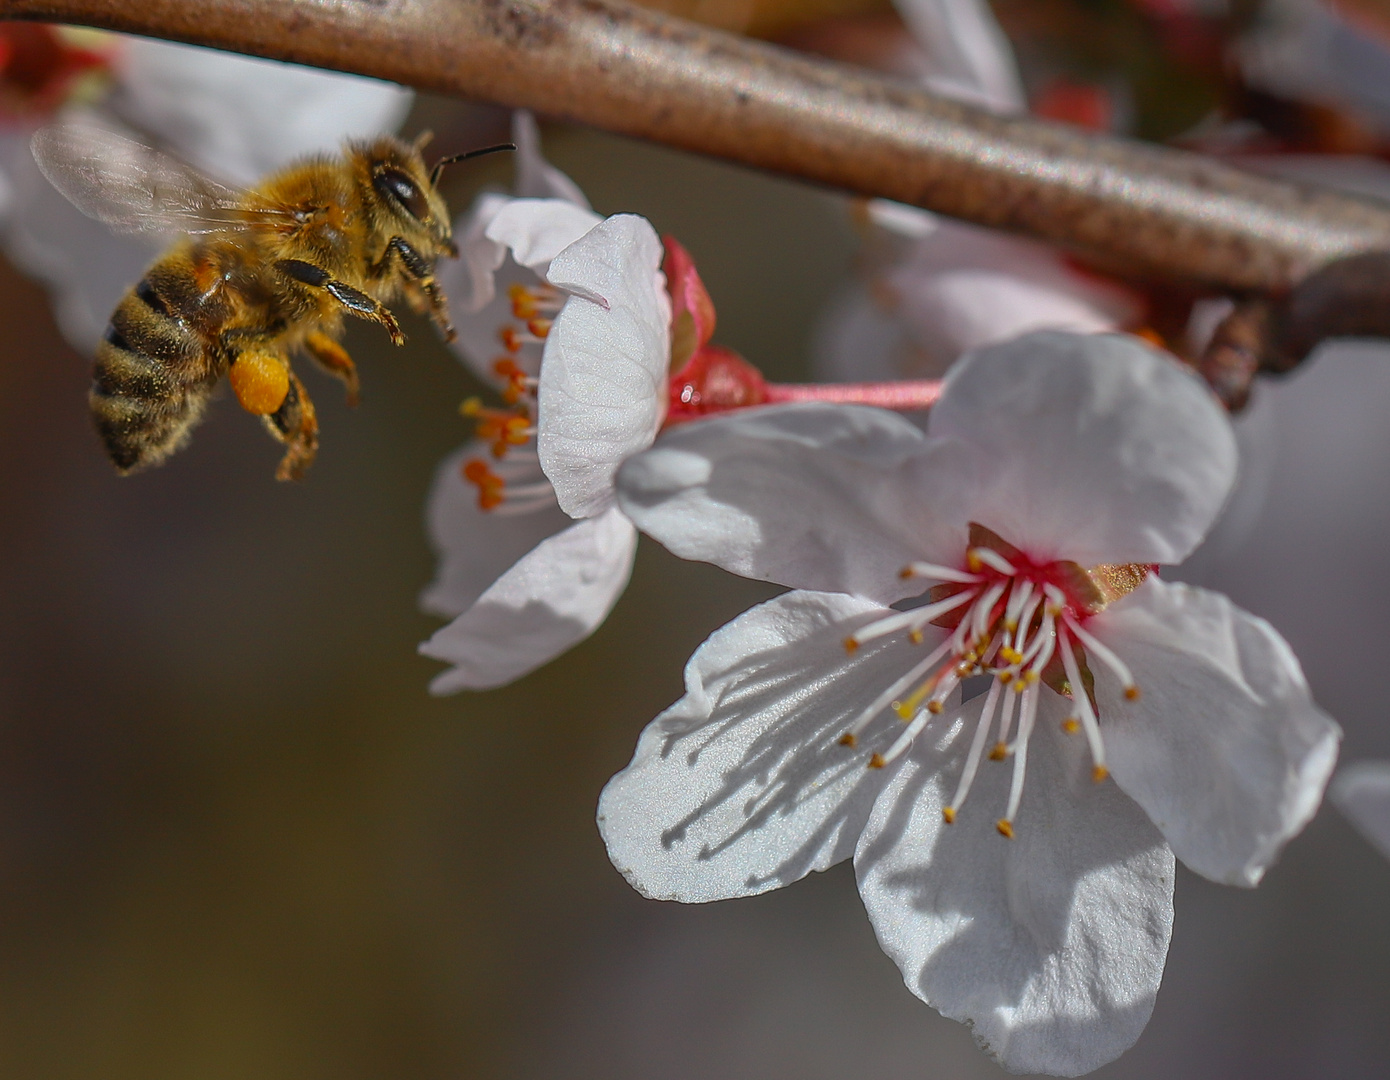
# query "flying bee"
(255, 276)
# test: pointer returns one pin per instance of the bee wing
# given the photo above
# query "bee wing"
(134, 188)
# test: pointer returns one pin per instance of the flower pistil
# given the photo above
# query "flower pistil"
(1021, 624)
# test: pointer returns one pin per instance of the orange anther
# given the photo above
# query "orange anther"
(877, 762)
(1131, 693)
(948, 815)
(511, 340)
(525, 303)
(539, 327)
(999, 752)
(850, 644)
(489, 484)
(1005, 827)
(849, 739)
(1099, 773)
(504, 367)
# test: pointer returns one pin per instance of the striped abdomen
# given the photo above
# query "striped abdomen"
(152, 375)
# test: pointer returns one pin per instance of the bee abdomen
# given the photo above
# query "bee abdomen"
(151, 379)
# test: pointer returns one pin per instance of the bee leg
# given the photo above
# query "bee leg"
(354, 300)
(295, 424)
(419, 273)
(334, 359)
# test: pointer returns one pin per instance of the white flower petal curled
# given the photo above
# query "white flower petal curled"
(1362, 792)
(1101, 448)
(742, 786)
(536, 230)
(240, 117)
(536, 178)
(812, 496)
(474, 547)
(1226, 751)
(1051, 946)
(552, 599)
(602, 393)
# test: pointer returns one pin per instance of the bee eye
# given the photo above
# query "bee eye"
(395, 185)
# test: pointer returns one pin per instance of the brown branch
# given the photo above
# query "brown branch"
(1131, 207)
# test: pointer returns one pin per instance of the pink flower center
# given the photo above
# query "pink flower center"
(1022, 624)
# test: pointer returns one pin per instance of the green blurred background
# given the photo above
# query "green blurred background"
(238, 839)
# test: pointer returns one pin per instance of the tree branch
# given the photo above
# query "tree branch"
(1127, 206)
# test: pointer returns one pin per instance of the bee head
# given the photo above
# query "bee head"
(410, 204)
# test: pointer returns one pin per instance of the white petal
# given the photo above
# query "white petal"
(970, 57)
(475, 547)
(1050, 945)
(468, 280)
(1225, 749)
(239, 117)
(603, 389)
(536, 230)
(965, 287)
(1102, 449)
(536, 178)
(1362, 792)
(86, 266)
(742, 785)
(547, 603)
(815, 496)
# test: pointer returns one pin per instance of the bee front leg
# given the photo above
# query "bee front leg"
(419, 273)
(355, 301)
(334, 359)
(296, 425)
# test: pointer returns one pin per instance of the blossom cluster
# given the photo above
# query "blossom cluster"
(979, 686)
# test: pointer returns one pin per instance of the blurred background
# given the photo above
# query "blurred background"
(238, 839)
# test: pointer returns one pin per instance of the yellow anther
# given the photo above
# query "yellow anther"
(934, 707)
(877, 762)
(916, 636)
(999, 752)
(1099, 773)
(1031, 676)
(471, 406)
(948, 815)
(972, 561)
(1011, 625)
(907, 708)
(851, 644)
(524, 302)
(1020, 685)
(905, 573)
(1055, 610)
(1005, 827)
(1005, 677)
(1131, 693)
(849, 739)
(1071, 725)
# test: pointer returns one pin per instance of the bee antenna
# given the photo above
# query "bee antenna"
(465, 156)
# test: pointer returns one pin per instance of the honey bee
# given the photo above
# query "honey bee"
(255, 276)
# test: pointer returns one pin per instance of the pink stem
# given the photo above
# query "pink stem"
(902, 396)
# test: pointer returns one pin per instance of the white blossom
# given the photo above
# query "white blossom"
(1125, 719)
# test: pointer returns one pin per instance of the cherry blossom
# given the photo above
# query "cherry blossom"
(1014, 849)
(567, 313)
(934, 288)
